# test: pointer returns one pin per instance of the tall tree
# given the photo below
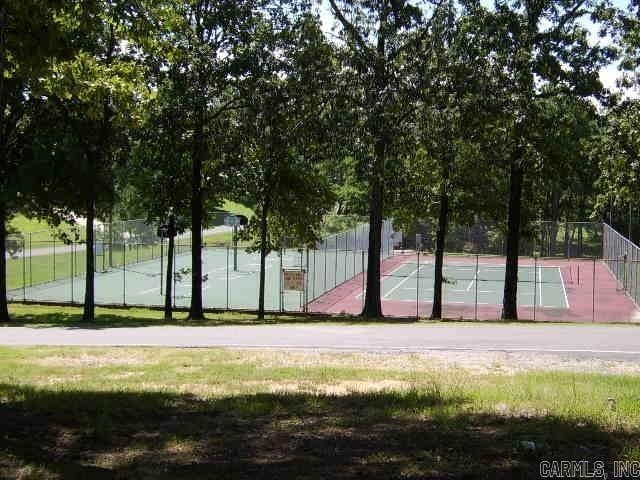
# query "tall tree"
(378, 38)
(284, 137)
(545, 52)
(203, 43)
(25, 59)
(91, 105)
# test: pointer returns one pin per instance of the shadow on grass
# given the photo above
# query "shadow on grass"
(64, 316)
(415, 434)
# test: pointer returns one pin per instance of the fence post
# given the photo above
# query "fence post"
(54, 259)
(535, 286)
(30, 262)
(593, 292)
(174, 278)
(363, 278)
(418, 289)
(124, 271)
(24, 272)
(306, 284)
(325, 268)
(280, 281)
(227, 270)
(313, 281)
(162, 263)
(477, 275)
(73, 273)
(335, 270)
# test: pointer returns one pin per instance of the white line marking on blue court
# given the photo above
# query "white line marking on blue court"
(564, 290)
(386, 296)
(540, 276)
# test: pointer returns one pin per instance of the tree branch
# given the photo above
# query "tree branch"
(349, 27)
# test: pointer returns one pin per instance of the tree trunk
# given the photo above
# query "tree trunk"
(196, 311)
(4, 310)
(443, 217)
(510, 299)
(88, 314)
(263, 256)
(168, 310)
(372, 301)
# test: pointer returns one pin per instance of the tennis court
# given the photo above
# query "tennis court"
(542, 286)
(142, 283)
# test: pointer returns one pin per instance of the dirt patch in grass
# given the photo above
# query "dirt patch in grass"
(333, 388)
(115, 357)
(434, 362)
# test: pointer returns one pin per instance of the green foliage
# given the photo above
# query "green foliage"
(283, 132)
(616, 149)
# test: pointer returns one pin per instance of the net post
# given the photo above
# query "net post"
(477, 275)
(227, 276)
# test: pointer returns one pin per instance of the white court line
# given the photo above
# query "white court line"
(457, 291)
(390, 274)
(540, 276)
(386, 296)
(148, 290)
(475, 277)
(564, 290)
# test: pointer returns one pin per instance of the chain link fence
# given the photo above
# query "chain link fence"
(622, 258)
(539, 239)
(555, 283)
(130, 262)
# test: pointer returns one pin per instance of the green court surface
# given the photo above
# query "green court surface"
(142, 283)
(542, 286)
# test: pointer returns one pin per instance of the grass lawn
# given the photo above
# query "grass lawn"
(215, 413)
(40, 230)
(64, 264)
(236, 208)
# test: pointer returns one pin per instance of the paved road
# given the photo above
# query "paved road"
(597, 341)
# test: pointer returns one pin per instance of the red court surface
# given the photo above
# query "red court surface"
(577, 277)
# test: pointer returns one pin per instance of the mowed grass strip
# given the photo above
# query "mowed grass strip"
(59, 316)
(71, 316)
(215, 413)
